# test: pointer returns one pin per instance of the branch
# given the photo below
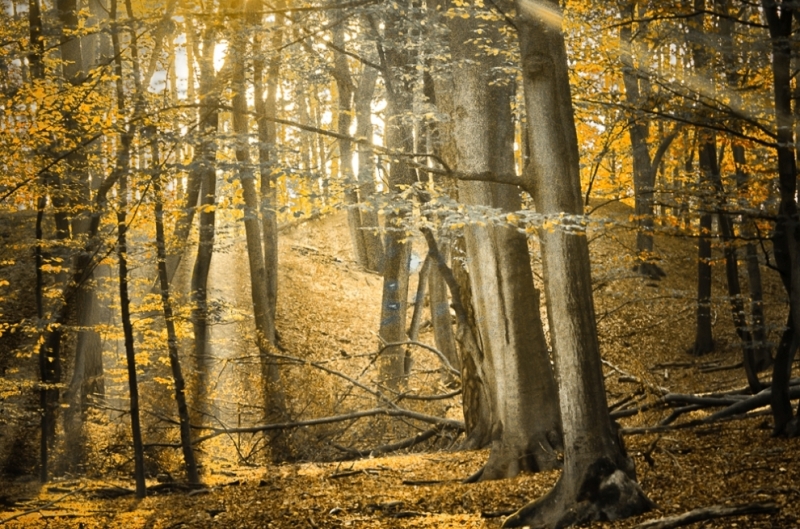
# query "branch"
(37, 509)
(485, 176)
(389, 412)
(392, 447)
(441, 356)
(708, 513)
(335, 373)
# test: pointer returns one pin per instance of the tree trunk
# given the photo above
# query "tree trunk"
(643, 167)
(525, 419)
(345, 89)
(265, 325)
(369, 240)
(704, 342)
(757, 354)
(598, 478)
(204, 170)
(122, 167)
(266, 110)
(785, 242)
(166, 301)
(399, 137)
(707, 140)
(441, 320)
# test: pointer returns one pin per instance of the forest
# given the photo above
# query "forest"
(399, 263)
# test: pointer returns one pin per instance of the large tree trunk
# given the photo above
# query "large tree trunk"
(598, 478)
(524, 400)
(786, 244)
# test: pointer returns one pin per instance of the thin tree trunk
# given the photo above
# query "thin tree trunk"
(204, 170)
(369, 236)
(345, 89)
(786, 245)
(169, 318)
(441, 320)
(265, 325)
(266, 110)
(707, 139)
(122, 167)
(399, 136)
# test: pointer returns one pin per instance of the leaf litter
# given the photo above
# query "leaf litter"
(329, 306)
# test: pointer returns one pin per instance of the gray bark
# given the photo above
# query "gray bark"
(598, 478)
(204, 170)
(441, 320)
(369, 240)
(525, 423)
(265, 325)
(399, 137)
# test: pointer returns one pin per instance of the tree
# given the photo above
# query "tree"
(598, 478)
(779, 16)
(397, 64)
(525, 425)
(264, 322)
(638, 92)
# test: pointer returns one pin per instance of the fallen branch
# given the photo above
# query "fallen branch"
(41, 507)
(389, 412)
(685, 425)
(393, 447)
(758, 400)
(442, 396)
(708, 513)
(713, 369)
(438, 353)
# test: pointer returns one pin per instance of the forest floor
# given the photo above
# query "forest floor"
(329, 308)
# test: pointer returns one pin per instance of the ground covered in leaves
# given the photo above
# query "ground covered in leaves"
(328, 314)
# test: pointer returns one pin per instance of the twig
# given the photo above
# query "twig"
(46, 505)
(334, 373)
(708, 513)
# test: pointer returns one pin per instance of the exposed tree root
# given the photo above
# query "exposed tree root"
(605, 493)
(708, 513)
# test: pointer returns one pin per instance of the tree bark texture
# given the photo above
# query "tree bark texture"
(598, 478)
(785, 238)
(265, 325)
(399, 137)
(526, 428)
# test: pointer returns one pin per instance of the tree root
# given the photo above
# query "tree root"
(605, 493)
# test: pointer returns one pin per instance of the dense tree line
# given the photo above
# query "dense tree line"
(493, 132)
